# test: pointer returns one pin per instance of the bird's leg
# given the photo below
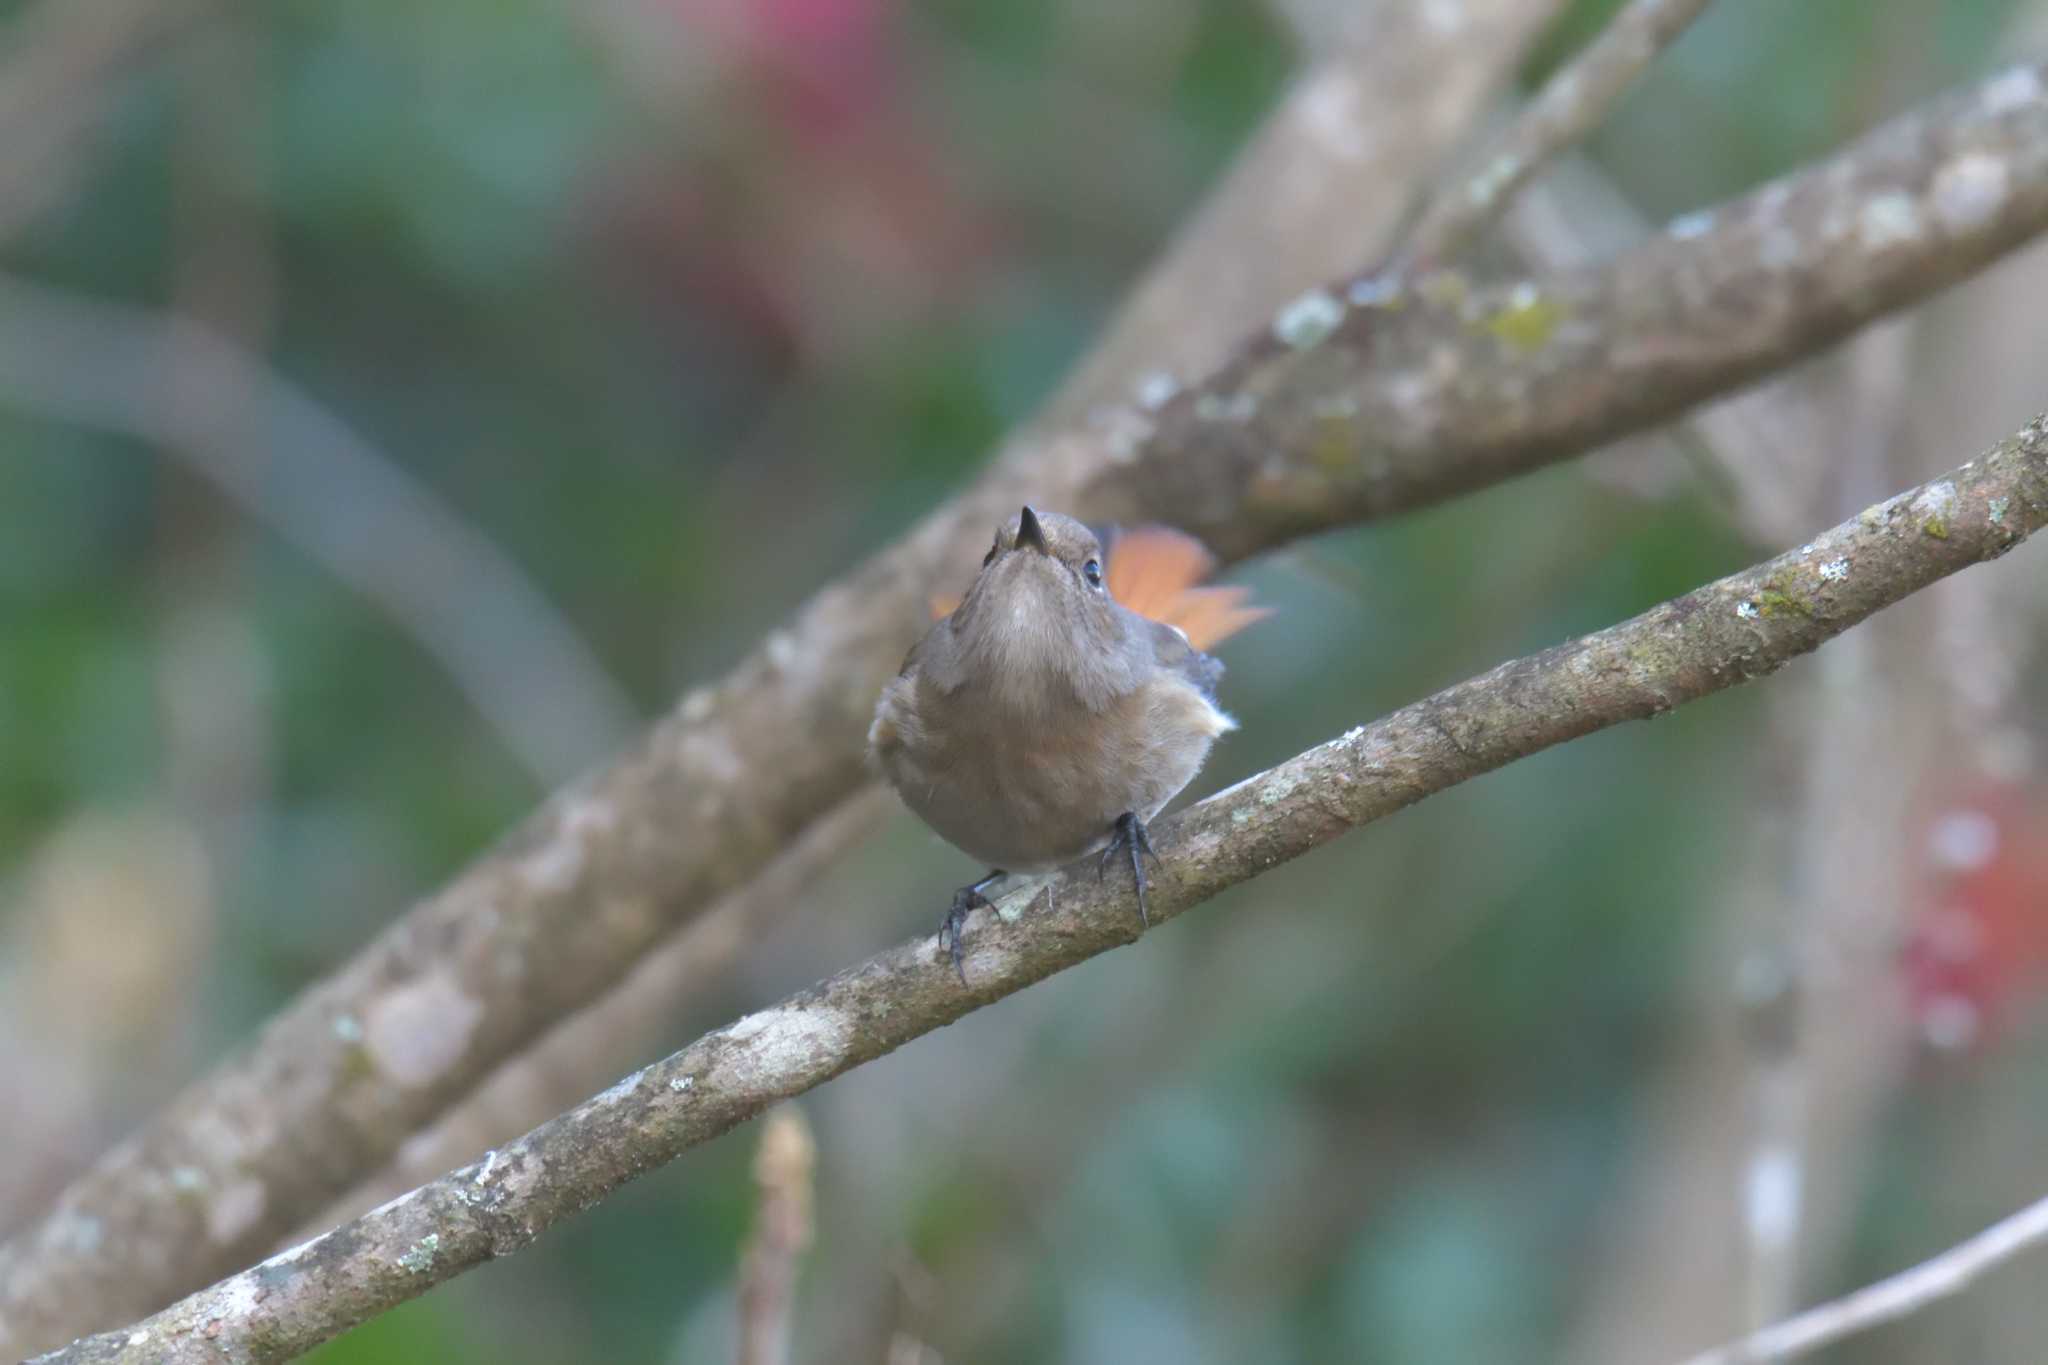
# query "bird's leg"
(965, 899)
(1130, 838)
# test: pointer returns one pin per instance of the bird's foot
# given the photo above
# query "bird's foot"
(1130, 838)
(966, 900)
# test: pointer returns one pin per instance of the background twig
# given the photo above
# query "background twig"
(784, 1163)
(1568, 107)
(1319, 190)
(1932, 1280)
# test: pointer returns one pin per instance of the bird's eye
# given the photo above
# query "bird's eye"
(1092, 571)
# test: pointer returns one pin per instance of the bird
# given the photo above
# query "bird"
(1061, 703)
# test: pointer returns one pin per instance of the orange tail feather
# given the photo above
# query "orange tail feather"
(1157, 571)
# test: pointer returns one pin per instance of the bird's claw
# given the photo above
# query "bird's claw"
(1130, 838)
(965, 901)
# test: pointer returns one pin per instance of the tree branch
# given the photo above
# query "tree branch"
(1888, 1300)
(1359, 403)
(1716, 637)
(622, 1028)
(1576, 97)
(1351, 406)
(783, 1164)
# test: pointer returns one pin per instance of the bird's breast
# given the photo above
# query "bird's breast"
(1032, 787)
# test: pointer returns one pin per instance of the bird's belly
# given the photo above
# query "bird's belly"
(1020, 823)
(1028, 795)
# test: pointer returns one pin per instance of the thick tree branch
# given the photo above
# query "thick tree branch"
(1905, 1293)
(557, 914)
(1568, 107)
(1352, 405)
(1359, 403)
(627, 1025)
(1716, 637)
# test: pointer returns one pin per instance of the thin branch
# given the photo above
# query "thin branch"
(292, 463)
(1350, 406)
(1714, 638)
(1575, 99)
(783, 1165)
(1905, 1293)
(1332, 171)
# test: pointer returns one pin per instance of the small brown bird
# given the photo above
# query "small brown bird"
(1062, 702)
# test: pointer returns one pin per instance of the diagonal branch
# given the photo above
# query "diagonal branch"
(1360, 403)
(1350, 406)
(625, 1026)
(1714, 638)
(1901, 1295)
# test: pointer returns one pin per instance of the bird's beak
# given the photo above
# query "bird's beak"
(1029, 532)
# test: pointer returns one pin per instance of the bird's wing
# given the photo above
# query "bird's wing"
(1170, 648)
(936, 657)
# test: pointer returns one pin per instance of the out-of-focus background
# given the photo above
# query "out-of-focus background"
(556, 350)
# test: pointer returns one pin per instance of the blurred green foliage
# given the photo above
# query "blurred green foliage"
(685, 348)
